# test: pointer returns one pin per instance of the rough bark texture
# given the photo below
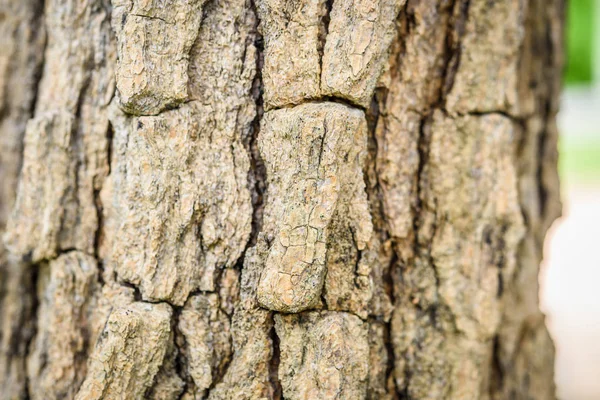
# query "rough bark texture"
(273, 199)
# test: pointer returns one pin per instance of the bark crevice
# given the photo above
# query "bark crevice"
(274, 366)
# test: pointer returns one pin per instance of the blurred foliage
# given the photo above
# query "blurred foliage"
(580, 41)
(579, 158)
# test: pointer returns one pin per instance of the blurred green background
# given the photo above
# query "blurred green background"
(579, 159)
(579, 143)
(580, 42)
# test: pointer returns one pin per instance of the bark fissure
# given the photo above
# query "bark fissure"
(375, 196)
(455, 32)
(325, 20)
(319, 100)
(32, 316)
(274, 366)
(257, 173)
(180, 361)
(38, 27)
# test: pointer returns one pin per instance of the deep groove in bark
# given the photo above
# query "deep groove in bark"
(455, 32)
(35, 301)
(179, 342)
(541, 149)
(322, 99)
(257, 175)
(391, 358)
(137, 295)
(274, 366)
(497, 375)
(423, 149)
(375, 198)
(325, 20)
(39, 23)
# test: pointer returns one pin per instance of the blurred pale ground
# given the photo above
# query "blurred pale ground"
(570, 277)
(570, 294)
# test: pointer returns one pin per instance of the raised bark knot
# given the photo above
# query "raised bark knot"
(153, 52)
(314, 154)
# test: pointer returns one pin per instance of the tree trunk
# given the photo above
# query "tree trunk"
(272, 199)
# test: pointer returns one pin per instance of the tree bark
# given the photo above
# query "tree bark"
(264, 199)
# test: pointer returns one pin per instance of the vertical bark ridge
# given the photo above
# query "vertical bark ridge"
(23, 33)
(437, 313)
(367, 256)
(521, 371)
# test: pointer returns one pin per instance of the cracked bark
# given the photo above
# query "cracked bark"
(276, 199)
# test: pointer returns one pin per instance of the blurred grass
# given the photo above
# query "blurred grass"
(579, 159)
(580, 42)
